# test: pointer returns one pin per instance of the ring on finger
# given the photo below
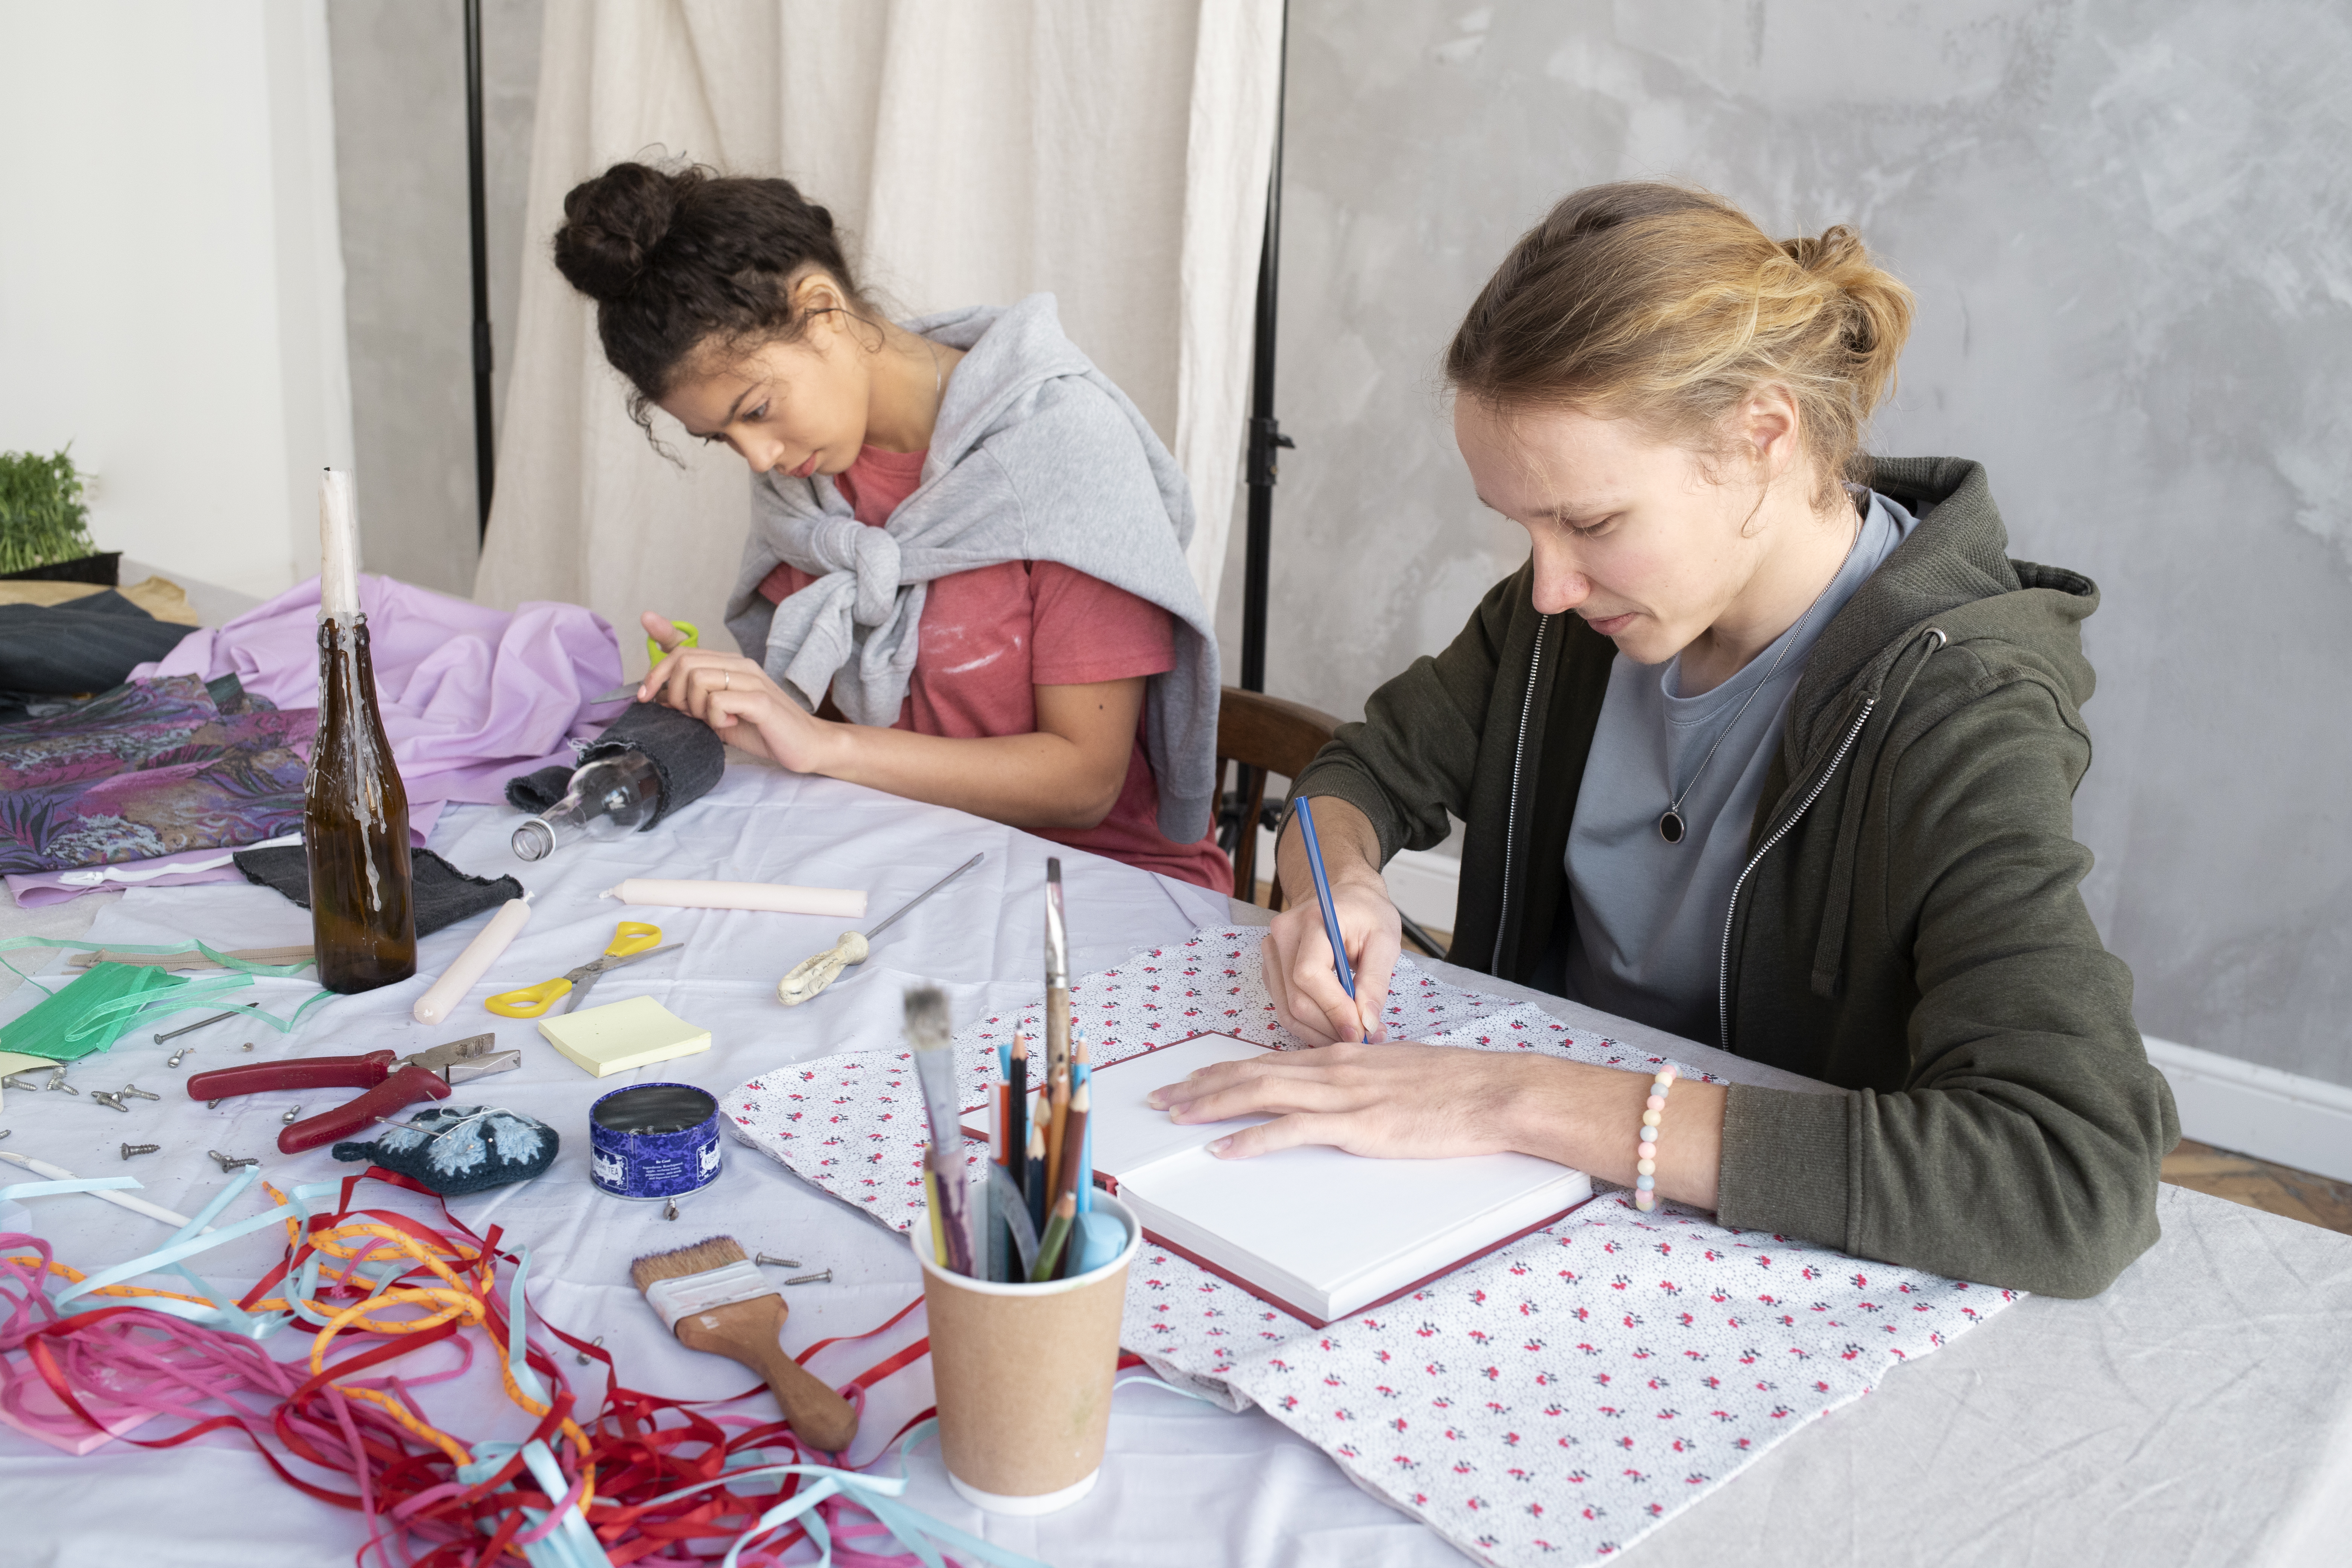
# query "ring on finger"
(728, 682)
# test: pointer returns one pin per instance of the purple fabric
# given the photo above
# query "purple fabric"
(470, 696)
(149, 770)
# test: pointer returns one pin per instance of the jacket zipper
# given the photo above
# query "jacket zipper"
(1723, 973)
(1511, 817)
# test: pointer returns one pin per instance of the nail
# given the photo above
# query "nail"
(246, 1047)
(187, 1028)
(1221, 1145)
(290, 1116)
(6, 1131)
(131, 1148)
(669, 1210)
(582, 1357)
(824, 1277)
(779, 1262)
(213, 1104)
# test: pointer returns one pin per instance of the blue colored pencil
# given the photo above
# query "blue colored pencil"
(1323, 896)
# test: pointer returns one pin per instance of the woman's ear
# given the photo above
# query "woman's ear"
(1768, 429)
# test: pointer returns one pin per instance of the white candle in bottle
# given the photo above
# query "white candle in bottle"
(339, 545)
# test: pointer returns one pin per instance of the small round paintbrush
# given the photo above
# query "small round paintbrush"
(714, 1299)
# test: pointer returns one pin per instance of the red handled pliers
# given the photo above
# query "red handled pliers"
(391, 1082)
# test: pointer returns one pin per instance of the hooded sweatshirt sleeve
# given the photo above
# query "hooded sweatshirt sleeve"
(2023, 1146)
(1413, 760)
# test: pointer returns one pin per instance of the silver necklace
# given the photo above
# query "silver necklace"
(1671, 826)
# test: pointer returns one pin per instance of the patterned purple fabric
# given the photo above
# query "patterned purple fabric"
(150, 768)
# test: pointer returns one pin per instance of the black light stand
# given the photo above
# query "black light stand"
(1266, 437)
(485, 442)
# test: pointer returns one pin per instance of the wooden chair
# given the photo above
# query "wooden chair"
(1257, 735)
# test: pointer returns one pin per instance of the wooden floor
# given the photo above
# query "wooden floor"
(2257, 1184)
(2240, 1178)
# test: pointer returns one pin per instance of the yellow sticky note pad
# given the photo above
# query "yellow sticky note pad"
(619, 1035)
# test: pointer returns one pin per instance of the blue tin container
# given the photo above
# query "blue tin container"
(654, 1140)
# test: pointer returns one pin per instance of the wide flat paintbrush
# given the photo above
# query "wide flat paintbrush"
(714, 1299)
(928, 1034)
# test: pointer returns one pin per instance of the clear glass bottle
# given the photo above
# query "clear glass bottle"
(609, 797)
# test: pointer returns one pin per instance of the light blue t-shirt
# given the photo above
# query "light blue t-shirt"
(1649, 914)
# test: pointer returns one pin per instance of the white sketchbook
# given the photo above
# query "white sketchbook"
(1321, 1232)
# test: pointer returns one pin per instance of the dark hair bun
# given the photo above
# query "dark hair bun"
(612, 224)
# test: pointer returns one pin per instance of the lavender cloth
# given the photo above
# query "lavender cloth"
(470, 696)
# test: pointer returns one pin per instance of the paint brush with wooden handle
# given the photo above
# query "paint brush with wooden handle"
(714, 1299)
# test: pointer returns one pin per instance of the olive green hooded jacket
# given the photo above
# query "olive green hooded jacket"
(1907, 925)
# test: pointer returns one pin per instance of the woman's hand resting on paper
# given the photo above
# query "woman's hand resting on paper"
(735, 698)
(1431, 1102)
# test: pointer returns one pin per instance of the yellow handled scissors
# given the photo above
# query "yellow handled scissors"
(635, 939)
(689, 635)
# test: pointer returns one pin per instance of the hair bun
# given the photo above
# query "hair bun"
(612, 224)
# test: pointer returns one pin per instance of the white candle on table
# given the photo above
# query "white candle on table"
(473, 963)
(339, 545)
(774, 897)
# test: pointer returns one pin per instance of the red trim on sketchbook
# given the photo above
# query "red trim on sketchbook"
(1310, 1319)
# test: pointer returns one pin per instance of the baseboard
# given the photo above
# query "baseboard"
(1422, 883)
(2305, 1123)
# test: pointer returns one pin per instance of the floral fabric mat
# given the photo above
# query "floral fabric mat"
(1554, 1401)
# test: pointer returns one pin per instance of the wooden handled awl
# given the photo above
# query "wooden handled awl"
(811, 975)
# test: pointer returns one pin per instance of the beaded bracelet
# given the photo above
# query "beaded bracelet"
(1645, 1153)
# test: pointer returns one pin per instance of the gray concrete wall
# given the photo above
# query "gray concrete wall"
(2129, 224)
(400, 159)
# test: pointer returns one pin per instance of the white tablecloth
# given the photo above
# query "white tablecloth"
(2201, 1411)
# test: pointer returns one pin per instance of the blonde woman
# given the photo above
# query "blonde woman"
(1767, 745)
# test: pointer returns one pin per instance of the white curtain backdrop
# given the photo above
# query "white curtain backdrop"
(1114, 154)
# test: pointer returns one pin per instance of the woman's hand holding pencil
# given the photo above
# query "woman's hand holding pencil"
(1328, 956)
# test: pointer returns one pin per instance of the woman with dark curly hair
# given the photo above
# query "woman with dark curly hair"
(965, 582)
(1768, 745)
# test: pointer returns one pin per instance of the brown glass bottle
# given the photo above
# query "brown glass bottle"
(355, 825)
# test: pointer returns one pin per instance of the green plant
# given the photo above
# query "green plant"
(42, 518)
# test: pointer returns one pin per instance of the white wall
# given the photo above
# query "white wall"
(170, 278)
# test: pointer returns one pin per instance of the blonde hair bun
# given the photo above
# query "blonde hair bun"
(1668, 304)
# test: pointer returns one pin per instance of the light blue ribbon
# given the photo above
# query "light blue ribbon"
(911, 1528)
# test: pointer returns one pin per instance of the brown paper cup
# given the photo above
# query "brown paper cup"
(1023, 1377)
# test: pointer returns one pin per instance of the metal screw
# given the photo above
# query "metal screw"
(670, 1211)
(213, 1104)
(227, 1164)
(135, 1092)
(19, 1081)
(824, 1279)
(583, 1358)
(6, 1131)
(780, 1262)
(57, 1080)
(177, 1057)
(290, 1116)
(246, 1047)
(190, 1028)
(112, 1102)
(131, 1148)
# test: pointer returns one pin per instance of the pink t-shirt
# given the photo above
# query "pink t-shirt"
(991, 636)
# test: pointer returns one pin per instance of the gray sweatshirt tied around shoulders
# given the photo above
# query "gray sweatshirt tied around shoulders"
(1036, 457)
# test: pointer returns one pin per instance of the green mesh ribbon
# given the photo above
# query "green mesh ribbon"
(107, 1000)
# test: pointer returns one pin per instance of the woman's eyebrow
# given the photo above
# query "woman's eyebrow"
(732, 409)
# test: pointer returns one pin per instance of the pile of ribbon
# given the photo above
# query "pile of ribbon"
(641, 1479)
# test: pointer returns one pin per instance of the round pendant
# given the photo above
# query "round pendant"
(1670, 826)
